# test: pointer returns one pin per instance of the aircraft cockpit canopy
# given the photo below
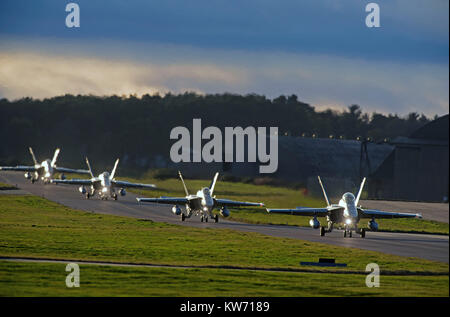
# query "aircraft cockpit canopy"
(348, 197)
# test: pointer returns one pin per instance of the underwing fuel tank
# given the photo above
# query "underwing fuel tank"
(314, 223)
(176, 210)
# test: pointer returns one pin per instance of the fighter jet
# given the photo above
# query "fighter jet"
(44, 170)
(203, 203)
(346, 212)
(104, 184)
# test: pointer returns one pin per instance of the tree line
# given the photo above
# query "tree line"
(137, 129)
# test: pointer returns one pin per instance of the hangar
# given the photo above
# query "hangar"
(417, 169)
(413, 168)
(301, 159)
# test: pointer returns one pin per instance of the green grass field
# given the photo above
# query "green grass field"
(43, 279)
(278, 197)
(34, 227)
(4, 186)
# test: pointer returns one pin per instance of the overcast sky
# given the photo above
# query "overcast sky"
(320, 50)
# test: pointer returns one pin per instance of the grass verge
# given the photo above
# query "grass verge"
(31, 226)
(4, 186)
(45, 279)
(35, 227)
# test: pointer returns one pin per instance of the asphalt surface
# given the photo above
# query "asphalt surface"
(432, 247)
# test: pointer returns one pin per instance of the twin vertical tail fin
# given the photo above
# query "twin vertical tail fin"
(114, 169)
(32, 155)
(55, 156)
(89, 167)
(184, 185)
(360, 191)
(324, 192)
(213, 183)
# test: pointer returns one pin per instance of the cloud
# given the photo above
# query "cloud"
(321, 80)
(40, 75)
(327, 81)
(415, 30)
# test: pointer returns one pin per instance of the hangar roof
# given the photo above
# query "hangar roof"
(436, 130)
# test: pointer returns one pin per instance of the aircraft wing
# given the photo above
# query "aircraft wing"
(165, 200)
(233, 203)
(18, 168)
(301, 211)
(372, 213)
(70, 170)
(305, 211)
(74, 181)
(133, 185)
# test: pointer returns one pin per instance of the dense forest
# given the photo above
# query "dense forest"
(137, 129)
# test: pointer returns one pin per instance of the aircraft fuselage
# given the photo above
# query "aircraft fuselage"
(203, 204)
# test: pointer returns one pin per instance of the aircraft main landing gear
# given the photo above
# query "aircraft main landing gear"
(322, 231)
(363, 232)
